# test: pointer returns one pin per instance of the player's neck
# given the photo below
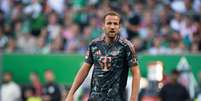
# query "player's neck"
(109, 39)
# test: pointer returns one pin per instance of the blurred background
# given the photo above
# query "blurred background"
(43, 43)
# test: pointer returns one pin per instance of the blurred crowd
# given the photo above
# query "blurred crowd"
(33, 91)
(169, 89)
(57, 26)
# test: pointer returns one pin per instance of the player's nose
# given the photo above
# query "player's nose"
(112, 26)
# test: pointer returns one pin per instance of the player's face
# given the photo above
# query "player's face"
(111, 26)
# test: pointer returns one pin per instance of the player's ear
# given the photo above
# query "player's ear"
(119, 28)
(103, 28)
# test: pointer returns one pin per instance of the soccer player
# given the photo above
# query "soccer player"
(112, 57)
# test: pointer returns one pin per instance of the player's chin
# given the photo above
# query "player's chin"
(112, 35)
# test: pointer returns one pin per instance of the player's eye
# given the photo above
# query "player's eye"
(115, 23)
(109, 23)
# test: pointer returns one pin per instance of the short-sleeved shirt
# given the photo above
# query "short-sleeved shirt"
(111, 63)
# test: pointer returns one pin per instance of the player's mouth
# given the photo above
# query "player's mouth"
(112, 31)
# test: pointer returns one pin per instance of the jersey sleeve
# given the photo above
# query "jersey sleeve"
(131, 56)
(89, 56)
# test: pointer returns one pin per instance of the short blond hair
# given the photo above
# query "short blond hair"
(112, 13)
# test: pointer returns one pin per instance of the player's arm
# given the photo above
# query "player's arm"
(82, 74)
(80, 77)
(135, 71)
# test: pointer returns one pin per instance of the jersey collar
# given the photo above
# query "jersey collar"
(116, 38)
